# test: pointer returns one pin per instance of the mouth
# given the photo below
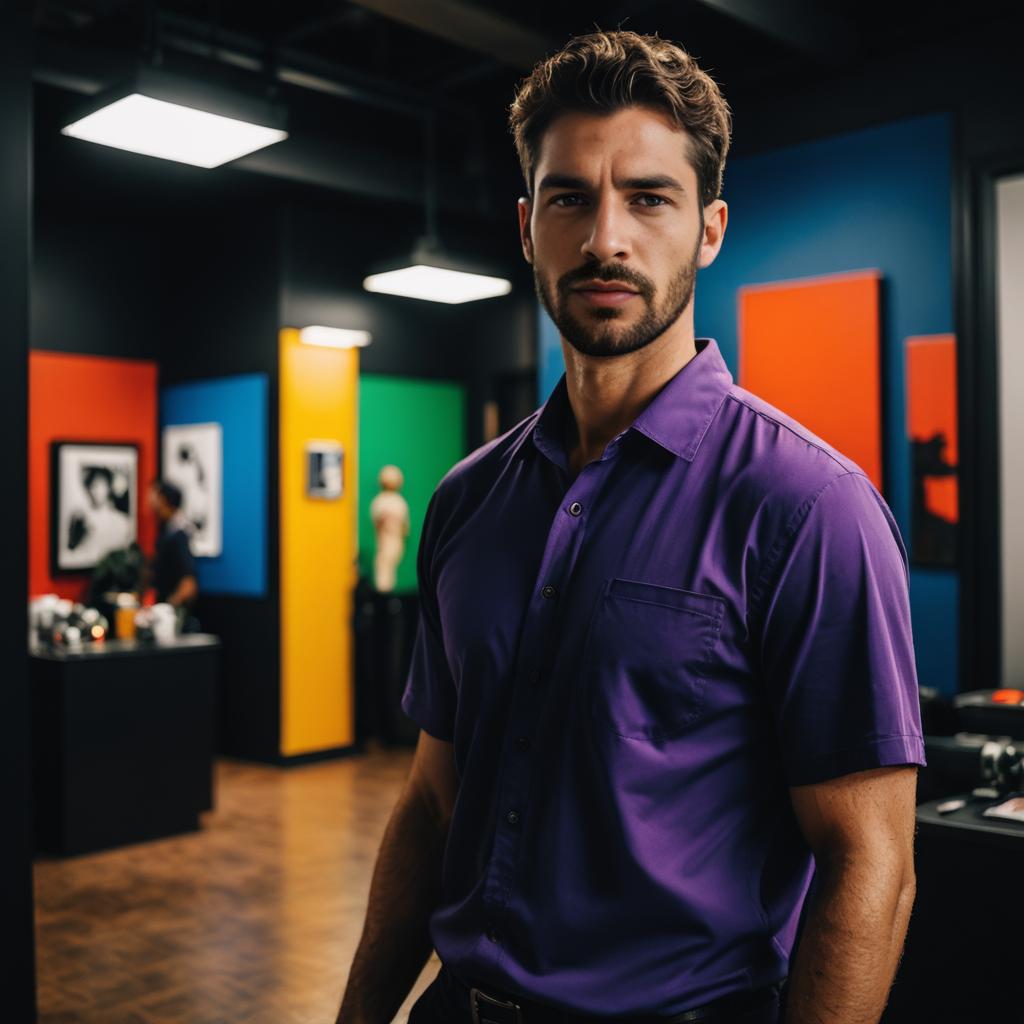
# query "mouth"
(605, 296)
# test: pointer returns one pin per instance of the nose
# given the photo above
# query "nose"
(609, 225)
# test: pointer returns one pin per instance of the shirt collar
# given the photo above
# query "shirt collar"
(676, 418)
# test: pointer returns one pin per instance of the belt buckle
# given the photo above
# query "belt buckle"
(501, 1004)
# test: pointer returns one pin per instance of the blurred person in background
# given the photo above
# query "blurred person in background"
(173, 568)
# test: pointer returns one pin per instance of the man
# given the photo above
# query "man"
(173, 573)
(664, 669)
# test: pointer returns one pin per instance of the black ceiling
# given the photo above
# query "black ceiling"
(359, 77)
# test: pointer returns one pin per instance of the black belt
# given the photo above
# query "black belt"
(491, 1006)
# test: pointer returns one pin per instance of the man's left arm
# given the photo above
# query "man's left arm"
(839, 672)
(860, 827)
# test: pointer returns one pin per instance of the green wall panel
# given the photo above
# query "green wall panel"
(420, 426)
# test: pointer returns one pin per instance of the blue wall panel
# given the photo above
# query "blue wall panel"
(240, 406)
(874, 198)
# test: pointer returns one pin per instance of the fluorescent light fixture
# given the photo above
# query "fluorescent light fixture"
(433, 275)
(437, 285)
(158, 113)
(334, 337)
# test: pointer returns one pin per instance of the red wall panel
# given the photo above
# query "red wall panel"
(85, 398)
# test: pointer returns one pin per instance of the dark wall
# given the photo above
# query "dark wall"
(220, 296)
(17, 967)
(93, 286)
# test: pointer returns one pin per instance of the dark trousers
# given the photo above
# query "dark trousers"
(442, 1002)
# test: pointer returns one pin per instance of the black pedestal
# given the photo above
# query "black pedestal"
(385, 629)
(123, 740)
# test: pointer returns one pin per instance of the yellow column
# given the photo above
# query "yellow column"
(318, 402)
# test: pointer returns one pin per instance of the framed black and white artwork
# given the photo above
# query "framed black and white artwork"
(94, 491)
(325, 470)
(193, 460)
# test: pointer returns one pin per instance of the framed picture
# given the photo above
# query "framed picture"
(325, 470)
(94, 507)
(193, 460)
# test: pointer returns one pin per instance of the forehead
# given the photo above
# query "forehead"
(632, 139)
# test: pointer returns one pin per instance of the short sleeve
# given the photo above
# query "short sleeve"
(837, 650)
(429, 697)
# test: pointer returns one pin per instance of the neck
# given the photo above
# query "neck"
(606, 395)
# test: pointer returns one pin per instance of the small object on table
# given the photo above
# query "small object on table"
(1012, 809)
(124, 620)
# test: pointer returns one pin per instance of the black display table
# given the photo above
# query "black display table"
(123, 737)
(961, 961)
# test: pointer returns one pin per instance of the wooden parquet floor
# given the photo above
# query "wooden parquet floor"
(253, 919)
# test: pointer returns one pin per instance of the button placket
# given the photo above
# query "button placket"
(564, 542)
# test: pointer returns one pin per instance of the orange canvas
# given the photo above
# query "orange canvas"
(811, 348)
(932, 434)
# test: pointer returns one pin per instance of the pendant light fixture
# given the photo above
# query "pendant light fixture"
(162, 114)
(430, 272)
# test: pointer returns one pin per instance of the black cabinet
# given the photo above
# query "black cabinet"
(123, 737)
(961, 960)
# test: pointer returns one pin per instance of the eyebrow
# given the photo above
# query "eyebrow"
(651, 181)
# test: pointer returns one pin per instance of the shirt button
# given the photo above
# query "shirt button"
(575, 508)
(548, 590)
(512, 817)
(523, 742)
(493, 934)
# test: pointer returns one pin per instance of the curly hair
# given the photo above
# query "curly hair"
(606, 71)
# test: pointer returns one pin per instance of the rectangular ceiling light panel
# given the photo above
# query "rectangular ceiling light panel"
(162, 114)
(437, 284)
(141, 124)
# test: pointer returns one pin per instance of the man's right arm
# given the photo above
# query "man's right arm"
(395, 943)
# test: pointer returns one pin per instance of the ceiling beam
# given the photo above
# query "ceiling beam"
(810, 29)
(468, 26)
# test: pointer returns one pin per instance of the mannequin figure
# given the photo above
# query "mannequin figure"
(390, 514)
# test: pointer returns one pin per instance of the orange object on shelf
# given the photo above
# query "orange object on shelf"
(1008, 696)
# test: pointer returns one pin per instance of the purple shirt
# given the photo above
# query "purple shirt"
(633, 666)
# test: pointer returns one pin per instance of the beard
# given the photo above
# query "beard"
(594, 331)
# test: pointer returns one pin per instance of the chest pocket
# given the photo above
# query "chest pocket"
(646, 657)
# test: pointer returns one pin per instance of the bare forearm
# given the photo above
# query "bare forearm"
(851, 944)
(185, 591)
(404, 890)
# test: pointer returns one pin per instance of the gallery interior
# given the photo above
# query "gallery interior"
(236, 354)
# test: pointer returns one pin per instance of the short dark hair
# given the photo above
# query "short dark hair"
(171, 493)
(606, 71)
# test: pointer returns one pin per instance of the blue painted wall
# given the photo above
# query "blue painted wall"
(874, 198)
(240, 406)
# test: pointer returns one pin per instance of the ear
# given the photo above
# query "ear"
(524, 208)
